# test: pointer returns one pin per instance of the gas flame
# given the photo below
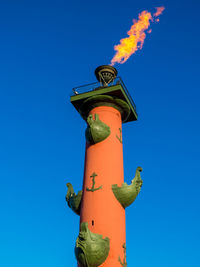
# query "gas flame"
(159, 11)
(135, 41)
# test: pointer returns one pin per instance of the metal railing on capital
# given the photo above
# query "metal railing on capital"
(98, 85)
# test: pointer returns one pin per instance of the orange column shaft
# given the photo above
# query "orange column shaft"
(100, 208)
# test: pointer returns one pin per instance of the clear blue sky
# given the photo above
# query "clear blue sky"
(46, 49)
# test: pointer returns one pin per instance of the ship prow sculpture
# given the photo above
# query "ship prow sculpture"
(125, 193)
(104, 196)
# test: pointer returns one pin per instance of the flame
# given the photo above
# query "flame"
(159, 11)
(135, 41)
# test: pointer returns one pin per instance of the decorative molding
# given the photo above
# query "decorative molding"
(91, 249)
(94, 101)
(126, 194)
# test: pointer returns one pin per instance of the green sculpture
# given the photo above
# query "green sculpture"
(124, 263)
(126, 194)
(73, 200)
(93, 188)
(120, 135)
(97, 130)
(91, 249)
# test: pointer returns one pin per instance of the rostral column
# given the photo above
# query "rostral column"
(104, 196)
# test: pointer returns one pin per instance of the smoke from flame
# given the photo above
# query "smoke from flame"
(135, 41)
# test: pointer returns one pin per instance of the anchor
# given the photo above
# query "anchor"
(119, 137)
(92, 189)
(124, 264)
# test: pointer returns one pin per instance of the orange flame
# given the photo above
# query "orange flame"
(135, 41)
(159, 11)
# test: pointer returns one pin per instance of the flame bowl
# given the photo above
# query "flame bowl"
(105, 74)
